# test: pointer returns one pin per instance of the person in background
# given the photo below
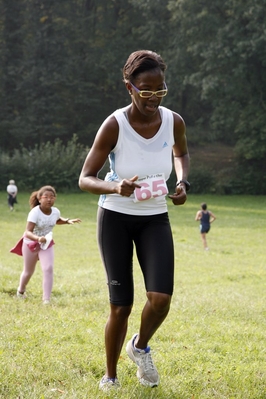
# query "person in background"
(140, 140)
(37, 243)
(12, 192)
(206, 218)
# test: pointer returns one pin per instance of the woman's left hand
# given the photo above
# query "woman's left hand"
(179, 197)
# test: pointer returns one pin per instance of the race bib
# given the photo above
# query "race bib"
(152, 186)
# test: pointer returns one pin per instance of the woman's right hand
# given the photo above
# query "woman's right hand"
(127, 186)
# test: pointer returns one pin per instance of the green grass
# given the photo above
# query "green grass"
(212, 345)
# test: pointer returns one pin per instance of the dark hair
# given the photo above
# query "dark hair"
(142, 61)
(204, 206)
(36, 195)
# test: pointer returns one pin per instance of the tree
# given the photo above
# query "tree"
(227, 47)
(10, 68)
(61, 62)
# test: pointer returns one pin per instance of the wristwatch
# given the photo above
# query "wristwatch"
(185, 182)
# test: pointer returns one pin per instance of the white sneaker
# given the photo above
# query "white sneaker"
(107, 384)
(46, 302)
(147, 372)
(21, 295)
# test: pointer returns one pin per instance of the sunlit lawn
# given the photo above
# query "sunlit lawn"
(212, 345)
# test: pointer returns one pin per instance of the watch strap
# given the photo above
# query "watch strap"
(185, 182)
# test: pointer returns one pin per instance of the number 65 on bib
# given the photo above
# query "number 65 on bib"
(152, 186)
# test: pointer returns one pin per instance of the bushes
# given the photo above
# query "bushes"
(59, 165)
(204, 180)
(55, 164)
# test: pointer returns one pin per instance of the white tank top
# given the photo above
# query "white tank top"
(135, 155)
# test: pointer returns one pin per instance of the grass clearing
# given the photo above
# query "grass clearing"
(212, 345)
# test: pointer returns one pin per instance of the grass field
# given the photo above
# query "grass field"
(212, 345)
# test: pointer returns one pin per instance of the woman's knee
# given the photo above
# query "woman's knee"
(120, 312)
(159, 301)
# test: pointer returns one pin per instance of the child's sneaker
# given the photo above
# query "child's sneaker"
(106, 384)
(147, 372)
(21, 295)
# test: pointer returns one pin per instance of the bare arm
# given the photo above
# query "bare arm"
(30, 235)
(67, 221)
(212, 217)
(198, 216)
(181, 159)
(105, 141)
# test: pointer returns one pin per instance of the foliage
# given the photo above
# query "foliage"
(60, 69)
(67, 77)
(229, 66)
(202, 181)
(229, 71)
(210, 345)
(54, 164)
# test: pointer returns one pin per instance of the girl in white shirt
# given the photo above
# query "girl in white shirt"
(37, 241)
